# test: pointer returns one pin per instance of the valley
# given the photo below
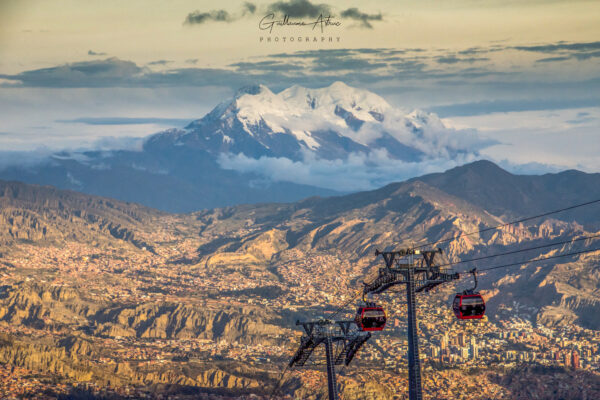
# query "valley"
(106, 298)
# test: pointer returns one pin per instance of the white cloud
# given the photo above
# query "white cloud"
(432, 136)
(559, 139)
(357, 172)
(10, 82)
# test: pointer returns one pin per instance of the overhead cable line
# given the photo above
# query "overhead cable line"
(519, 251)
(343, 306)
(537, 260)
(509, 223)
(358, 293)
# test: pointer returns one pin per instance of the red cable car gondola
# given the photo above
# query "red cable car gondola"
(370, 317)
(469, 304)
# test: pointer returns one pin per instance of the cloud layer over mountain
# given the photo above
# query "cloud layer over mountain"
(357, 172)
(456, 84)
(337, 137)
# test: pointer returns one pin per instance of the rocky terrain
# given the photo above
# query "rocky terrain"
(118, 295)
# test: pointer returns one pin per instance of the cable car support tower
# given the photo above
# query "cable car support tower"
(328, 332)
(421, 276)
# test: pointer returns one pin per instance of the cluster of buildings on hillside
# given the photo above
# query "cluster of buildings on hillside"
(466, 344)
(314, 283)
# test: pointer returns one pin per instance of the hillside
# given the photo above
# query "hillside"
(215, 293)
(414, 212)
(42, 214)
(503, 194)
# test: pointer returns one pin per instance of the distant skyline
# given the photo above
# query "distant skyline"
(97, 73)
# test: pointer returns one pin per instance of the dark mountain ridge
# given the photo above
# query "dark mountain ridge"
(44, 213)
(485, 184)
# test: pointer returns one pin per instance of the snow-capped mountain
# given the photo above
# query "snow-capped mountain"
(261, 146)
(328, 123)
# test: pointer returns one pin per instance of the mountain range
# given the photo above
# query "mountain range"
(163, 297)
(234, 154)
(424, 209)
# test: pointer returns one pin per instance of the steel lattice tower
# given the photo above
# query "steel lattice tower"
(328, 332)
(417, 277)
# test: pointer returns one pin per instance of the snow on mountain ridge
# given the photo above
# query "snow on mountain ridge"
(329, 123)
(301, 111)
(255, 104)
(338, 94)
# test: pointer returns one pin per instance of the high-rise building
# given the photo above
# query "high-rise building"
(464, 353)
(474, 350)
(575, 360)
(444, 342)
(462, 339)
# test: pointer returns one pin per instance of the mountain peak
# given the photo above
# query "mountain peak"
(481, 167)
(330, 122)
(489, 186)
(337, 105)
(338, 94)
(472, 175)
(339, 85)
